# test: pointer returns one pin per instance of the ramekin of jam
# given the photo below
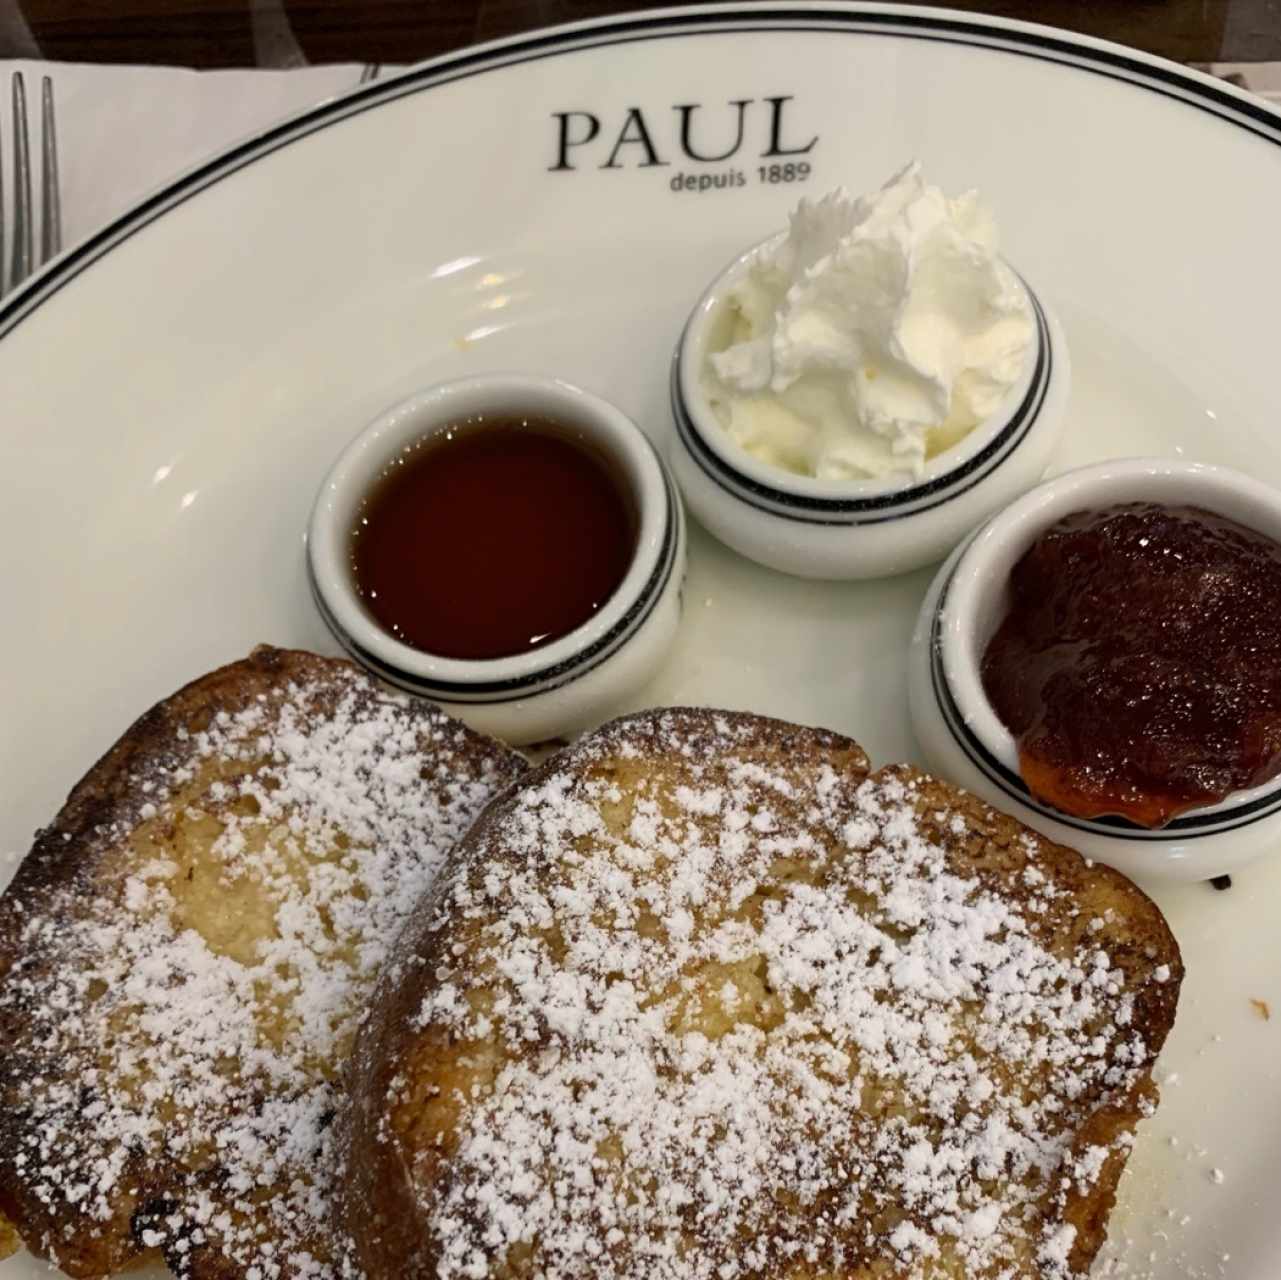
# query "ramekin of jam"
(1103, 659)
(510, 547)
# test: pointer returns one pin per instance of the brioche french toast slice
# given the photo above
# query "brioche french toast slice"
(702, 999)
(185, 954)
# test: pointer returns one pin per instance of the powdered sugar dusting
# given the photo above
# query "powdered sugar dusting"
(755, 1018)
(183, 1025)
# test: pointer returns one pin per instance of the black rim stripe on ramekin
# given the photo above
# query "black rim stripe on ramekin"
(544, 679)
(886, 507)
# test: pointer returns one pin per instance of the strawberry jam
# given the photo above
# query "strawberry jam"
(1139, 663)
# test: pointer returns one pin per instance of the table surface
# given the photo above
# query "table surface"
(228, 33)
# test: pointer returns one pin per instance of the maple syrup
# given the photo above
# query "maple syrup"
(1139, 664)
(491, 537)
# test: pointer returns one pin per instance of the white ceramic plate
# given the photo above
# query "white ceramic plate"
(172, 392)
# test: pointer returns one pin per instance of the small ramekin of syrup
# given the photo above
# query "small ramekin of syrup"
(510, 547)
(1102, 659)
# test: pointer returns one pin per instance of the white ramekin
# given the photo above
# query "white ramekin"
(958, 730)
(560, 687)
(858, 529)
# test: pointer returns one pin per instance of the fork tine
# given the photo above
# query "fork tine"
(50, 198)
(22, 230)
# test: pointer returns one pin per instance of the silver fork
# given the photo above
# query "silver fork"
(22, 255)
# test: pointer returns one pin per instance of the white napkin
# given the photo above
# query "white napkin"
(124, 131)
(1264, 78)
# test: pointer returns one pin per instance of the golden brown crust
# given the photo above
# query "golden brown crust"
(131, 813)
(378, 1198)
(9, 1242)
(998, 846)
(66, 859)
(422, 1079)
(1138, 937)
(69, 850)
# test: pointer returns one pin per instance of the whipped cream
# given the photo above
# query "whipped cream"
(877, 333)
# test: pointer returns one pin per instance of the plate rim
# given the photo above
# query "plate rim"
(1226, 102)
(815, 16)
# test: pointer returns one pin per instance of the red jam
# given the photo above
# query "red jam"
(1139, 664)
(490, 538)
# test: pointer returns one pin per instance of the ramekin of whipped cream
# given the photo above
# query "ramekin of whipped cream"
(857, 392)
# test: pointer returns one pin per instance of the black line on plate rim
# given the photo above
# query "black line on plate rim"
(1038, 43)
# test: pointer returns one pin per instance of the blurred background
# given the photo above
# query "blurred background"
(285, 33)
